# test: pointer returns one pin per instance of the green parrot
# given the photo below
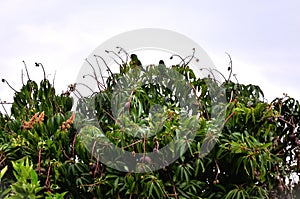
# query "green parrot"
(134, 61)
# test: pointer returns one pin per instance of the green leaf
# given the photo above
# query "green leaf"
(3, 171)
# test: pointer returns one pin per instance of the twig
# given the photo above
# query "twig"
(287, 122)
(173, 186)
(96, 169)
(26, 70)
(82, 84)
(219, 73)
(108, 69)
(126, 53)
(100, 71)
(47, 182)
(133, 144)
(64, 152)
(192, 57)
(234, 75)
(2, 104)
(73, 145)
(182, 60)
(40, 64)
(4, 81)
(230, 65)
(218, 170)
(226, 120)
(110, 51)
(106, 65)
(265, 113)
(22, 80)
(78, 93)
(2, 160)
(93, 149)
(54, 78)
(210, 71)
(39, 160)
(110, 116)
(94, 71)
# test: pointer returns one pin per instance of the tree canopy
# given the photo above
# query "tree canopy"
(256, 155)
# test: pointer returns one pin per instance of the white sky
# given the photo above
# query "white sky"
(261, 36)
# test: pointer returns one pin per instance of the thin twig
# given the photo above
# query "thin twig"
(192, 57)
(93, 149)
(226, 120)
(2, 104)
(94, 71)
(54, 78)
(110, 51)
(126, 53)
(210, 71)
(47, 182)
(2, 160)
(230, 65)
(106, 65)
(64, 152)
(108, 69)
(234, 75)
(40, 64)
(133, 144)
(39, 160)
(22, 79)
(5, 103)
(110, 116)
(78, 93)
(26, 70)
(287, 122)
(173, 186)
(73, 145)
(4, 81)
(182, 60)
(219, 73)
(100, 71)
(82, 84)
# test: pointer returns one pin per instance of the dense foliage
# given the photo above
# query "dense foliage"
(256, 155)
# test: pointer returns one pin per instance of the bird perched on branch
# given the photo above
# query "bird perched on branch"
(161, 62)
(134, 61)
(161, 66)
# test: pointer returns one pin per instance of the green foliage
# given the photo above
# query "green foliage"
(257, 150)
(27, 184)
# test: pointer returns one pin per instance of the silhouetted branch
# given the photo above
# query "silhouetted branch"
(26, 70)
(4, 81)
(230, 66)
(40, 64)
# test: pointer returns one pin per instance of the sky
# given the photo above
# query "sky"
(262, 37)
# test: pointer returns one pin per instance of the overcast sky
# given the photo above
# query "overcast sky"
(261, 36)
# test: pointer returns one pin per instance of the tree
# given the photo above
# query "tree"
(42, 154)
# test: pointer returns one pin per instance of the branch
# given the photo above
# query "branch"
(226, 120)
(26, 70)
(133, 144)
(40, 64)
(94, 71)
(230, 66)
(4, 81)
(100, 71)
